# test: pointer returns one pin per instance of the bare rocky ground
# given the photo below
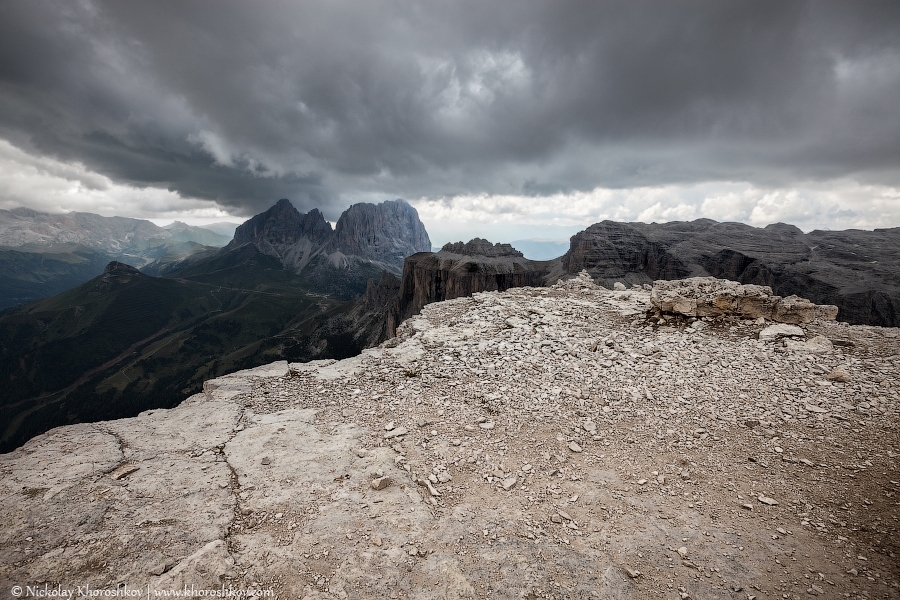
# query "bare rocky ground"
(536, 443)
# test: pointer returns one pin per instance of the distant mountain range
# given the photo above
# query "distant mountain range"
(126, 341)
(42, 254)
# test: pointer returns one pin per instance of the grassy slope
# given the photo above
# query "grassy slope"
(109, 349)
(31, 272)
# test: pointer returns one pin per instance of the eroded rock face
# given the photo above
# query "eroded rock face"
(435, 277)
(858, 271)
(711, 297)
(481, 247)
(553, 432)
(384, 234)
(387, 232)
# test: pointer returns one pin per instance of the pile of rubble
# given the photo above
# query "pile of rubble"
(537, 443)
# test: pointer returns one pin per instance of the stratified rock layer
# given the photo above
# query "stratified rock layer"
(711, 297)
(481, 247)
(857, 271)
(543, 443)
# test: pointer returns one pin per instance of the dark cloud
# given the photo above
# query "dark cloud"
(243, 102)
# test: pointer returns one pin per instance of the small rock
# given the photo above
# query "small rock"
(838, 374)
(778, 331)
(633, 573)
(619, 286)
(815, 409)
(376, 541)
(509, 483)
(564, 515)
(747, 506)
(396, 433)
(487, 425)
(574, 447)
(161, 568)
(380, 483)
(123, 472)
(266, 460)
(389, 425)
(682, 552)
(766, 500)
(361, 452)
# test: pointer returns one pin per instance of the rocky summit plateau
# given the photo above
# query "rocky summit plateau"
(560, 442)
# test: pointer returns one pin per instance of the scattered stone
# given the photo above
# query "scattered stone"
(619, 286)
(633, 573)
(839, 375)
(509, 483)
(766, 500)
(397, 432)
(380, 483)
(123, 471)
(779, 331)
(486, 425)
(574, 447)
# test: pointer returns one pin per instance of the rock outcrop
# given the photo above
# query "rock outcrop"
(481, 247)
(857, 271)
(711, 297)
(460, 270)
(387, 233)
(538, 442)
(383, 234)
(283, 232)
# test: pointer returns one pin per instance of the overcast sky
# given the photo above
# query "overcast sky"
(500, 119)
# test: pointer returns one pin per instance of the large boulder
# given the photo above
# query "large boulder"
(712, 297)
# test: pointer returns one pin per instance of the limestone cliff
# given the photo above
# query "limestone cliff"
(858, 271)
(382, 234)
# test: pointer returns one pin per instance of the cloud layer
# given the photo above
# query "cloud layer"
(548, 103)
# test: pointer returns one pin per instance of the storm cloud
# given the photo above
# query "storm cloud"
(329, 102)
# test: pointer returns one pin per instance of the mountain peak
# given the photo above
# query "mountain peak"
(119, 268)
(387, 232)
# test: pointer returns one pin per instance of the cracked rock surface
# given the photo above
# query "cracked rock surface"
(536, 443)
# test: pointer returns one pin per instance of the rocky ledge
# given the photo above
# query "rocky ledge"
(534, 443)
(481, 247)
